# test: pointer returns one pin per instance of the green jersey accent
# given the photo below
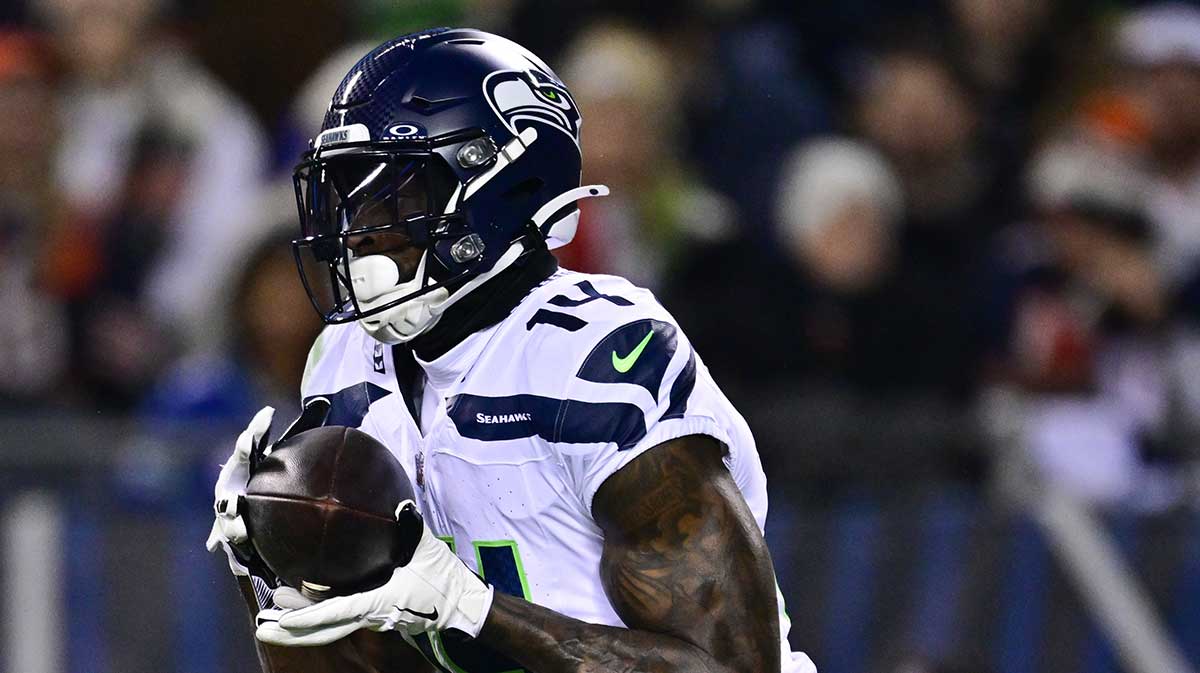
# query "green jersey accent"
(314, 355)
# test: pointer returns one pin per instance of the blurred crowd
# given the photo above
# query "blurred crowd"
(871, 217)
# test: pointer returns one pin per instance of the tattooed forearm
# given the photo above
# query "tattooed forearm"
(545, 641)
(684, 566)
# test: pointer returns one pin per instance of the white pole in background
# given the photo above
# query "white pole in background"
(1103, 578)
(1108, 587)
(33, 544)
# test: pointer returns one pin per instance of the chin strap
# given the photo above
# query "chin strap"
(420, 315)
(506, 260)
(402, 323)
(562, 231)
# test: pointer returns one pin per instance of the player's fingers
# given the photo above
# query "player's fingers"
(274, 634)
(289, 598)
(327, 612)
(261, 423)
(233, 476)
(215, 537)
(254, 433)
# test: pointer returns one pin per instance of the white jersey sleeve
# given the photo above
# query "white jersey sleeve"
(635, 383)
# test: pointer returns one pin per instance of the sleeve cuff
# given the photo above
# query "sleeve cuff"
(663, 431)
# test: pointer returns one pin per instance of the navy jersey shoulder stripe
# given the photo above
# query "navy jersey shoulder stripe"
(637, 353)
(349, 406)
(682, 390)
(493, 419)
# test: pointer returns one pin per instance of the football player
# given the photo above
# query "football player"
(591, 500)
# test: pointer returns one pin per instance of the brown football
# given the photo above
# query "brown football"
(320, 511)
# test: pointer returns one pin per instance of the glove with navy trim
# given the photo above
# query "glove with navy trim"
(434, 591)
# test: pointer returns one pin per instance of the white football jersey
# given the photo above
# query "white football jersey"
(520, 425)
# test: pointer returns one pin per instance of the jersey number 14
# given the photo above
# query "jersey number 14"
(498, 562)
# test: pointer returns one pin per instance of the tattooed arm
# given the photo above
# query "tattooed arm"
(685, 567)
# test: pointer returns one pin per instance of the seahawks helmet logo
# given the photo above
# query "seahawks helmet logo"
(521, 97)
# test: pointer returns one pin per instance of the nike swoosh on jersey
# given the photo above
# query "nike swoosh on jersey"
(624, 364)
(431, 616)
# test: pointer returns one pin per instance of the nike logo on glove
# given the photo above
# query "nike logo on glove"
(431, 616)
(624, 364)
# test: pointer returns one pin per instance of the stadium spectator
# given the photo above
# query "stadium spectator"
(622, 79)
(1161, 47)
(916, 109)
(832, 325)
(32, 344)
(840, 209)
(121, 341)
(1020, 60)
(143, 122)
(1084, 306)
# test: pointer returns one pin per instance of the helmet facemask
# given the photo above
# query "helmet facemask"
(392, 235)
(371, 220)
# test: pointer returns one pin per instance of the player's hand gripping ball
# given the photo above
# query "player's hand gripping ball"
(320, 511)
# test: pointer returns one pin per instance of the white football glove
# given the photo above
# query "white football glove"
(229, 528)
(435, 591)
(282, 599)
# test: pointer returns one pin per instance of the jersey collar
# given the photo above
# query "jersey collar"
(486, 305)
(456, 342)
(450, 368)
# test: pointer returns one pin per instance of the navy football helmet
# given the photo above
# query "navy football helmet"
(445, 157)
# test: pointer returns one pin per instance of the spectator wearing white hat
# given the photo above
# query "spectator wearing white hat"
(827, 331)
(829, 301)
(838, 210)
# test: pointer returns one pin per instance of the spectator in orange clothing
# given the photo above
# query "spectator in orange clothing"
(129, 89)
(155, 169)
(33, 347)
